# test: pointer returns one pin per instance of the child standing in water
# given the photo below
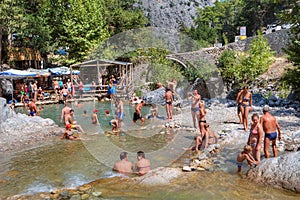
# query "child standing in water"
(245, 155)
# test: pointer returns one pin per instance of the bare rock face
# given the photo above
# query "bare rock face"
(281, 172)
(172, 13)
(159, 176)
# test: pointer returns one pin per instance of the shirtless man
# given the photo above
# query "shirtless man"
(56, 89)
(35, 89)
(195, 107)
(64, 113)
(142, 166)
(115, 126)
(169, 100)
(270, 125)
(33, 108)
(138, 113)
(120, 112)
(73, 123)
(26, 100)
(123, 166)
(95, 117)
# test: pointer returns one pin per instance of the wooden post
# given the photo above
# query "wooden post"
(98, 71)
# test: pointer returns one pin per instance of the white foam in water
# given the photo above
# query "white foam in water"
(37, 187)
(74, 180)
(111, 174)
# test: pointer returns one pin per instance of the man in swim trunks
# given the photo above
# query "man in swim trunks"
(195, 107)
(138, 113)
(120, 112)
(73, 123)
(270, 125)
(169, 100)
(26, 100)
(64, 113)
(142, 166)
(123, 166)
(95, 117)
(33, 108)
(35, 89)
(68, 134)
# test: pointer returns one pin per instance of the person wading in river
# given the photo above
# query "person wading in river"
(270, 125)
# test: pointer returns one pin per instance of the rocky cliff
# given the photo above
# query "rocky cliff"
(172, 13)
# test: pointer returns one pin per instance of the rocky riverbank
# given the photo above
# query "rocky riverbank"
(221, 114)
(18, 131)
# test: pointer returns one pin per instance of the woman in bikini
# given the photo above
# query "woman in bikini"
(246, 106)
(202, 120)
(212, 136)
(142, 166)
(255, 137)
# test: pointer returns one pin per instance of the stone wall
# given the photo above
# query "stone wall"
(277, 41)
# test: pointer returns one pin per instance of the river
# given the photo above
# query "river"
(57, 164)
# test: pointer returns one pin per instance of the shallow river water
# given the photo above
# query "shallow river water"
(66, 164)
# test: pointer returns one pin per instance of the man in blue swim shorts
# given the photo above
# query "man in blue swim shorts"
(270, 126)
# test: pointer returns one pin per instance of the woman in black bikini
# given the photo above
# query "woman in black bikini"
(202, 120)
(246, 106)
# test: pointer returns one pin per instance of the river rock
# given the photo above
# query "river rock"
(159, 176)
(19, 130)
(155, 97)
(282, 172)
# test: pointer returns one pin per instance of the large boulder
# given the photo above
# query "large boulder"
(155, 97)
(19, 130)
(282, 172)
(5, 110)
(159, 176)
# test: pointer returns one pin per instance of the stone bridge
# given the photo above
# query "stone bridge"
(277, 40)
(214, 87)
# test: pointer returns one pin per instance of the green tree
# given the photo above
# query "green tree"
(121, 15)
(11, 21)
(84, 27)
(292, 16)
(242, 68)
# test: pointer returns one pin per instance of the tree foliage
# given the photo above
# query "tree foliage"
(76, 26)
(241, 68)
(292, 75)
(221, 22)
(161, 69)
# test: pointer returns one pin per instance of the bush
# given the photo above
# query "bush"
(241, 68)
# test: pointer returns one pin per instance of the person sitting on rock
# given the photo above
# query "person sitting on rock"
(245, 155)
(115, 125)
(123, 166)
(73, 123)
(68, 134)
(210, 137)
